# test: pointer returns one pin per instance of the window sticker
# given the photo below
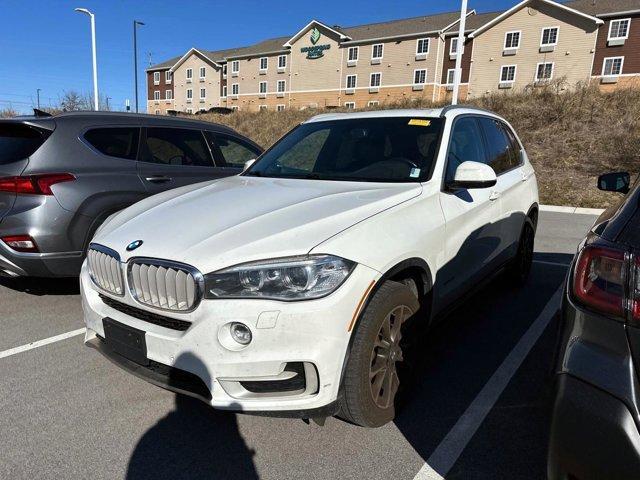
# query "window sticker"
(415, 173)
(419, 122)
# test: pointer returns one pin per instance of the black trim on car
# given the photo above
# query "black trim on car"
(149, 317)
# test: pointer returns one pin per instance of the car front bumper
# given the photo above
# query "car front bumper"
(203, 363)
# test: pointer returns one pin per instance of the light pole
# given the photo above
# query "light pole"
(38, 95)
(457, 74)
(135, 58)
(93, 48)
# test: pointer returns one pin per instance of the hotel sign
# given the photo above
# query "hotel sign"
(315, 51)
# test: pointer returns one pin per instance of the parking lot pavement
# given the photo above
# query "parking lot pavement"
(68, 413)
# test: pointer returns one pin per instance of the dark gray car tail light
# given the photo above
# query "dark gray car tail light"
(34, 184)
(605, 280)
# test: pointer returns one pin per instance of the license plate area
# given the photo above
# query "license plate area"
(126, 341)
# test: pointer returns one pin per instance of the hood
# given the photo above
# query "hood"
(240, 219)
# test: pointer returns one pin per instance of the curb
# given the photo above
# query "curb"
(576, 210)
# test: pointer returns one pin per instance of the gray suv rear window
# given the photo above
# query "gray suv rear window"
(115, 142)
(18, 142)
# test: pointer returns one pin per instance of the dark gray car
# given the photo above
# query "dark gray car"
(62, 176)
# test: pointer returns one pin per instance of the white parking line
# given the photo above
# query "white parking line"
(42, 343)
(555, 264)
(450, 448)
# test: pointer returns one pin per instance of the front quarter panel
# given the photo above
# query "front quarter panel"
(412, 229)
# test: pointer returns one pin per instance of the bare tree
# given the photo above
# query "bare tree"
(8, 112)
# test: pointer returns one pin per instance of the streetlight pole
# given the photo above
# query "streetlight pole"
(38, 95)
(93, 48)
(135, 58)
(457, 74)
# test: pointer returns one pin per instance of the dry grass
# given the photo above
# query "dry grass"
(570, 136)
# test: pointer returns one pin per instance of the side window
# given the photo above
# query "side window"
(235, 152)
(176, 146)
(465, 145)
(516, 157)
(500, 154)
(115, 142)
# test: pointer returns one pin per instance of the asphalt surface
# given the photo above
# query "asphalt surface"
(66, 412)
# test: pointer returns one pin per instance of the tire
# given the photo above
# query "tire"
(379, 341)
(521, 266)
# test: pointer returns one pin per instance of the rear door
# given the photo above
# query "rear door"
(173, 157)
(506, 158)
(232, 152)
(18, 141)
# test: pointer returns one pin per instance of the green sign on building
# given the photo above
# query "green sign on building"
(315, 51)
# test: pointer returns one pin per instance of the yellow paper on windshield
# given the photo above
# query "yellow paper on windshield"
(420, 122)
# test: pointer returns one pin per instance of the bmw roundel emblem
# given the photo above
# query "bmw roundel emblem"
(133, 245)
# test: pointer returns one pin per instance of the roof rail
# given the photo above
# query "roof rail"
(448, 108)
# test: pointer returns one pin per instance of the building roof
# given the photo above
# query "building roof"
(395, 28)
(603, 7)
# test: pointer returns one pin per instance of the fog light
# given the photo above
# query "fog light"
(241, 333)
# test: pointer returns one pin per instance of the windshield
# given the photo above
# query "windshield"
(392, 149)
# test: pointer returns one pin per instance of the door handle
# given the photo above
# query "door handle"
(494, 196)
(158, 179)
(525, 176)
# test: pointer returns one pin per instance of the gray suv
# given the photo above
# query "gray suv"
(62, 176)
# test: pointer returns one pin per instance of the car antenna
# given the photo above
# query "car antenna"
(41, 113)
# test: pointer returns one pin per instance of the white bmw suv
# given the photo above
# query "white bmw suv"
(295, 287)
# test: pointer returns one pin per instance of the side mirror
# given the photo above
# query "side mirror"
(615, 182)
(473, 175)
(248, 163)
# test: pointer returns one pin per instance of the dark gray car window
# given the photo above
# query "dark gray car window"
(176, 146)
(234, 152)
(465, 146)
(18, 142)
(500, 154)
(516, 157)
(115, 142)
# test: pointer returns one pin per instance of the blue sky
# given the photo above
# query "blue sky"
(46, 45)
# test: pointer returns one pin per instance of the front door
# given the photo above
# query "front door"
(472, 229)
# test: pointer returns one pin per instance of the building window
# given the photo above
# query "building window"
(373, 103)
(189, 74)
(612, 66)
(262, 108)
(375, 79)
(419, 77)
(156, 95)
(167, 76)
(376, 51)
(451, 76)
(352, 81)
(203, 72)
(156, 78)
(282, 61)
(422, 48)
(189, 110)
(262, 87)
(157, 112)
(508, 74)
(235, 89)
(264, 63)
(235, 108)
(350, 105)
(203, 93)
(512, 40)
(549, 37)
(224, 91)
(189, 94)
(280, 108)
(235, 66)
(168, 94)
(224, 71)
(453, 46)
(544, 71)
(353, 54)
(619, 29)
(282, 86)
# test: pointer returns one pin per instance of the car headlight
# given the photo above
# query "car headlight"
(293, 278)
